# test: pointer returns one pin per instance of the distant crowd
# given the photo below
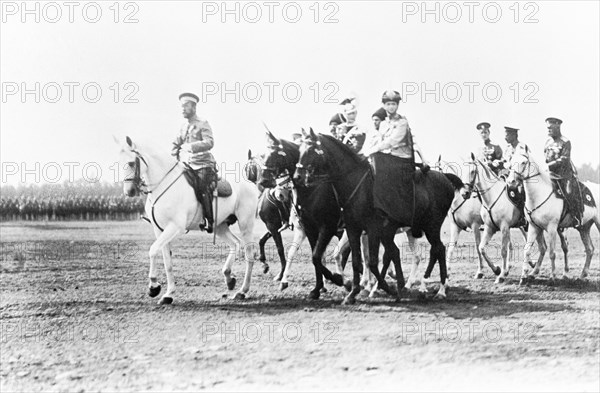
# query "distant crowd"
(73, 202)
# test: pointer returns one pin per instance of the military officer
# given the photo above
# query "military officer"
(490, 153)
(192, 146)
(353, 135)
(513, 147)
(558, 157)
(334, 122)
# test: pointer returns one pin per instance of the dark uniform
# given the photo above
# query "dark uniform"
(558, 157)
(192, 146)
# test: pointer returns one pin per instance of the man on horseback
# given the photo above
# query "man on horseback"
(352, 134)
(513, 149)
(490, 153)
(558, 157)
(192, 146)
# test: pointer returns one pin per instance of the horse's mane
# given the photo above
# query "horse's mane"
(457, 183)
(329, 142)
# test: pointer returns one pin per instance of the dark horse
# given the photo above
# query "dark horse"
(349, 180)
(273, 211)
(317, 208)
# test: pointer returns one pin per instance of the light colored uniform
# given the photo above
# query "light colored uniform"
(391, 138)
(198, 134)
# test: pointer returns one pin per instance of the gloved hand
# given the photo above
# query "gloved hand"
(425, 168)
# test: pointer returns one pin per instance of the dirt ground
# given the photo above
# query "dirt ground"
(75, 316)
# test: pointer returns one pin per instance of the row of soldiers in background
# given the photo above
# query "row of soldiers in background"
(71, 207)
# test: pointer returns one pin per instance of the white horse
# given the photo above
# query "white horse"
(173, 210)
(544, 212)
(498, 214)
(464, 215)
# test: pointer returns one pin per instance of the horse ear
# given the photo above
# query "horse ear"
(129, 142)
(117, 141)
(440, 159)
(526, 149)
(304, 133)
(312, 134)
(249, 154)
(472, 156)
(273, 138)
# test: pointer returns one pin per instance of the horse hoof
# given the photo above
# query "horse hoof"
(348, 301)
(283, 286)
(265, 268)
(231, 283)
(348, 285)
(314, 294)
(439, 296)
(500, 280)
(531, 264)
(154, 291)
(422, 295)
(524, 281)
(479, 276)
(565, 277)
(364, 293)
(165, 300)
(497, 271)
(277, 278)
(337, 279)
(323, 290)
(239, 296)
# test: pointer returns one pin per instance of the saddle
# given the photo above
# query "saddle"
(223, 186)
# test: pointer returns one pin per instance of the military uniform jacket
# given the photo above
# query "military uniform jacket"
(558, 156)
(199, 135)
(393, 137)
(354, 136)
(510, 151)
(490, 153)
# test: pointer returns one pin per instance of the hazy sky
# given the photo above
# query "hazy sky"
(494, 67)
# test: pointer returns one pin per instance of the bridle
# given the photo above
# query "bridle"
(137, 180)
(309, 170)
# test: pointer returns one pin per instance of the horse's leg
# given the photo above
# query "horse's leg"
(299, 237)
(488, 232)
(391, 253)
(584, 232)
(317, 255)
(354, 241)
(386, 235)
(170, 232)
(565, 249)
(477, 235)
(366, 272)
(261, 246)
(154, 286)
(436, 254)
(506, 244)
(281, 252)
(340, 255)
(552, 233)
(454, 234)
(416, 259)
(542, 247)
(375, 237)
(221, 233)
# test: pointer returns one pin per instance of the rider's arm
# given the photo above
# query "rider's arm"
(204, 135)
(177, 145)
(563, 159)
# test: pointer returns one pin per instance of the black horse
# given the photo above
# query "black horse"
(349, 179)
(317, 207)
(273, 211)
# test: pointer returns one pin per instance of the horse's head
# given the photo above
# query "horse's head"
(521, 168)
(135, 167)
(277, 161)
(312, 161)
(473, 174)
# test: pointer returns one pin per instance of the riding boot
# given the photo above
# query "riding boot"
(208, 213)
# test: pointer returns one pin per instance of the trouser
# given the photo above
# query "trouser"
(207, 182)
